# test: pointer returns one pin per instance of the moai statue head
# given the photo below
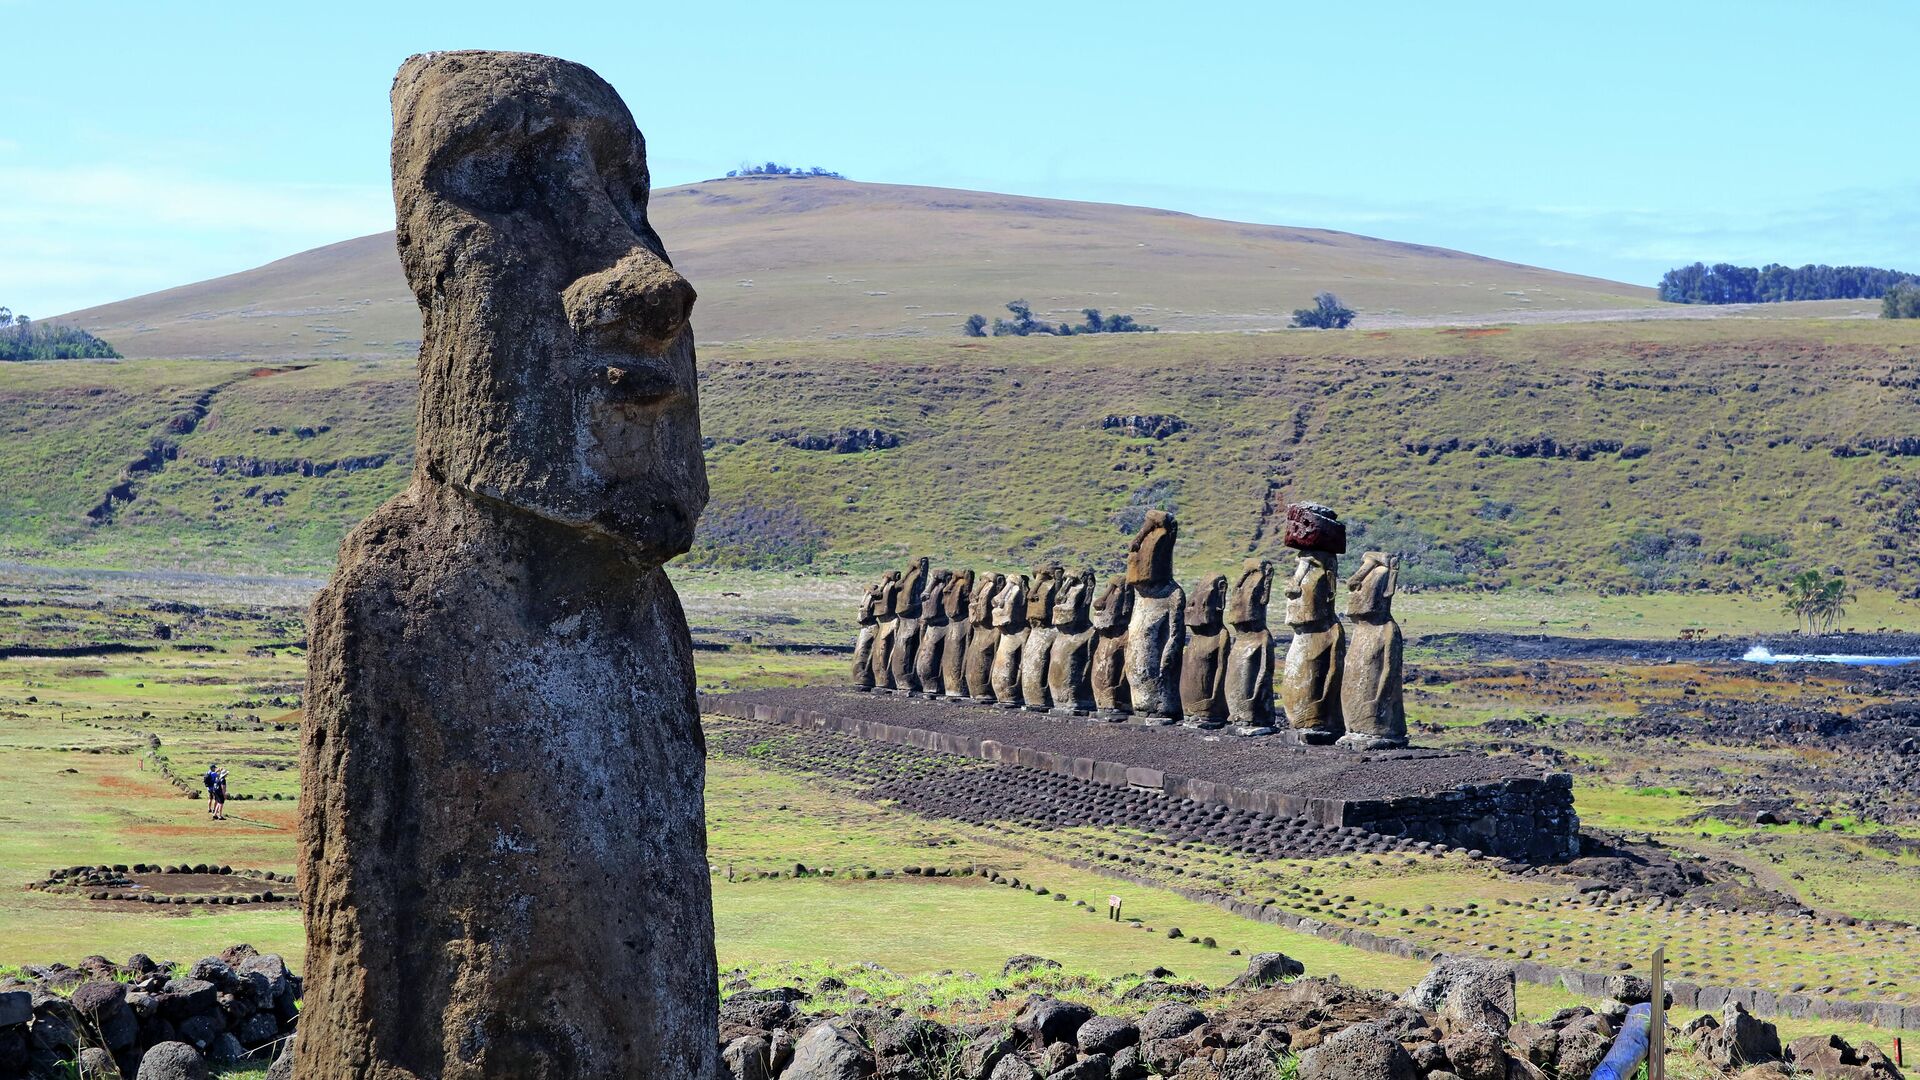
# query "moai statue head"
(913, 588)
(932, 603)
(953, 602)
(1206, 604)
(557, 375)
(1370, 590)
(889, 602)
(1320, 536)
(986, 590)
(1247, 602)
(1010, 605)
(1150, 555)
(1072, 601)
(1041, 594)
(870, 604)
(1114, 606)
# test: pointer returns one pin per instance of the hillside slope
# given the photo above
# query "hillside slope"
(790, 258)
(1595, 457)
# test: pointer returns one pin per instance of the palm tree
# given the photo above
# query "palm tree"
(1801, 590)
(1830, 601)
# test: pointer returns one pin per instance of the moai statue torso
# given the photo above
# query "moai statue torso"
(886, 616)
(953, 658)
(1038, 650)
(983, 636)
(928, 661)
(1112, 612)
(1370, 690)
(1203, 663)
(502, 762)
(1010, 618)
(1250, 651)
(1310, 686)
(1070, 662)
(1154, 631)
(906, 630)
(869, 620)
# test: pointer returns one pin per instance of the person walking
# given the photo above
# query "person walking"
(220, 794)
(212, 781)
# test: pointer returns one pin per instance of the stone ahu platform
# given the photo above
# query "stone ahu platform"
(1461, 800)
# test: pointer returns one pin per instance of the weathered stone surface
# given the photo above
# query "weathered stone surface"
(1203, 659)
(1468, 994)
(1154, 638)
(929, 663)
(1037, 654)
(954, 605)
(906, 630)
(500, 683)
(1049, 1020)
(1010, 618)
(1106, 1035)
(1371, 705)
(1111, 616)
(173, 1061)
(1267, 969)
(1170, 1021)
(983, 635)
(978, 1058)
(1070, 663)
(886, 625)
(1310, 684)
(869, 622)
(1741, 1039)
(1249, 682)
(16, 1007)
(829, 1051)
(1312, 527)
(1360, 1052)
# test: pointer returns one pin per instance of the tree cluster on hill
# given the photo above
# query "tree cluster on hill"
(23, 339)
(1902, 301)
(1724, 283)
(774, 168)
(1816, 601)
(1024, 324)
(1327, 313)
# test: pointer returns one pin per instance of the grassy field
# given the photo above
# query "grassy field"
(819, 258)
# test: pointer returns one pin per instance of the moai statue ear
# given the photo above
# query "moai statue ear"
(1393, 574)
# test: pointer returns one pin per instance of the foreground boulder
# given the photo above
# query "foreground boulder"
(172, 1061)
(829, 1051)
(1475, 995)
(502, 834)
(1739, 1039)
(1360, 1052)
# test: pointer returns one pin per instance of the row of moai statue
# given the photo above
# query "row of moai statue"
(1141, 646)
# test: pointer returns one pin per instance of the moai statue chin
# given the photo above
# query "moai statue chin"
(1370, 688)
(983, 636)
(953, 657)
(1010, 617)
(1154, 630)
(886, 615)
(1038, 650)
(1203, 662)
(502, 762)
(869, 620)
(1249, 683)
(1111, 616)
(1310, 685)
(906, 631)
(929, 660)
(1070, 661)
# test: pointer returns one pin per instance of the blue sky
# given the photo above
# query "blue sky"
(145, 145)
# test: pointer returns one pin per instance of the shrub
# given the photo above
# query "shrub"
(1902, 301)
(1327, 313)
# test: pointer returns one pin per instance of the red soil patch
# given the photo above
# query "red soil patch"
(1478, 331)
(1378, 334)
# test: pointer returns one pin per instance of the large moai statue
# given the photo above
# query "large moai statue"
(502, 846)
(1154, 630)
(906, 631)
(886, 616)
(929, 659)
(1310, 685)
(869, 620)
(953, 658)
(1010, 618)
(1250, 651)
(1370, 689)
(983, 636)
(1203, 662)
(1070, 662)
(1111, 616)
(1038, 651)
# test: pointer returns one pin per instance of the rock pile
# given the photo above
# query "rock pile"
(146, 1019)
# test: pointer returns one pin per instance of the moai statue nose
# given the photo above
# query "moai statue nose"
(639, 301)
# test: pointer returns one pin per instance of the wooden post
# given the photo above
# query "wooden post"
(1657, 1031)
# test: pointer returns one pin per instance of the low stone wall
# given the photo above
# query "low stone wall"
(1528, 817)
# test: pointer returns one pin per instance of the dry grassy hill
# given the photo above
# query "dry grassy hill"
(791, 258)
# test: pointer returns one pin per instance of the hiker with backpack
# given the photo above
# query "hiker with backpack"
(216, 781)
